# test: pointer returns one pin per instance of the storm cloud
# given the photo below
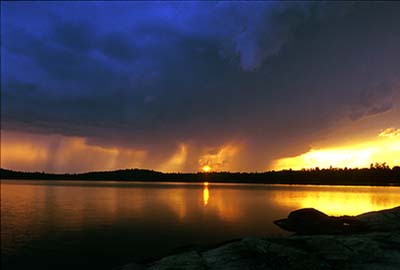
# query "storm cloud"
(268, 77)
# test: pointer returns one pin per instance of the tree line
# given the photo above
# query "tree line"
(377, 174)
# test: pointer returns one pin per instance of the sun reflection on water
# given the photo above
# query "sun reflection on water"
(206, 193)
(340, 201)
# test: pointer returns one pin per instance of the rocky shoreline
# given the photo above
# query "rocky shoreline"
(376, 246)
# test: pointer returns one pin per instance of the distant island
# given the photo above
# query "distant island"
(378, 175)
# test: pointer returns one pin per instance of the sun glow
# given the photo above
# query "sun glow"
(361, 155)
(206, 168)
(221, 158)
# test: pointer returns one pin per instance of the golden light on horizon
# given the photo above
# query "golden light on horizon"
(54, 153)
(358, 155)
(206, 168)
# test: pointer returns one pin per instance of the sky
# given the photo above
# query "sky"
(177, 86)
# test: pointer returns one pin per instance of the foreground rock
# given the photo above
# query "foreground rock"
(372, 250)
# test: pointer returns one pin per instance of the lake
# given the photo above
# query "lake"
(84, 224)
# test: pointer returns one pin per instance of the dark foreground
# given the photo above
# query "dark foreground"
(377, 247)
(376, 175)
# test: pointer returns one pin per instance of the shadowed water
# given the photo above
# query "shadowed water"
(82, 224)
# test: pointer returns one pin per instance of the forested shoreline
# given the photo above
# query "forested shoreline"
(378, 174)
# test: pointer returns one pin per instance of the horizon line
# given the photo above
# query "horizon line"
(372, 166)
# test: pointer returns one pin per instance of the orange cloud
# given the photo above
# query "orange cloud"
(177, 160)
(390, 132)
(219, 159)
(54, 153)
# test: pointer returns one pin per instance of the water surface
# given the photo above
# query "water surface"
(81, 224)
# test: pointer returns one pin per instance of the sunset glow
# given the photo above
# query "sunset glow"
(222, 158)
(206, 168)
(360, 155)
(53, 153)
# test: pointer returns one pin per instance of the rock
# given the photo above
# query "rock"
(387, 220)
(356, 251)
(344, 249)
(283, 253)
(362, 251)
(258, 253)
(233, 255)
(188, 260)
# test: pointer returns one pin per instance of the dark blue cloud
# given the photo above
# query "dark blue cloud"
(156, 74)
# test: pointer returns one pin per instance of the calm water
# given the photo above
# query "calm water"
(81, 224)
